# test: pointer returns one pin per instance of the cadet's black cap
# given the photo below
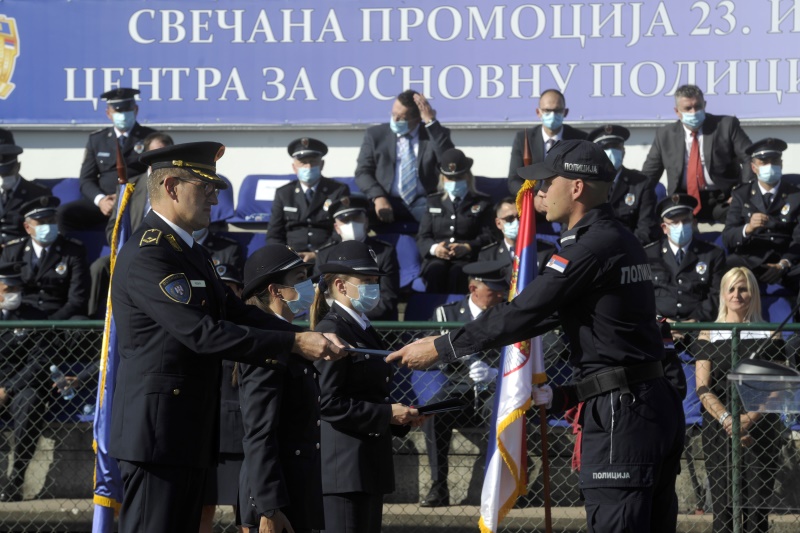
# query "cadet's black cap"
(574, 160)
(766, 148)
(676, 204)
(229, 273)
(348, 204)
(6, 137)
(199, 158)
(352, 257)
(609, 134)
(10, 273)
(8, 157)
(267, 262)
(121, 99)
(493, 273)
(307, 147)
(42, 207)
(454, 163)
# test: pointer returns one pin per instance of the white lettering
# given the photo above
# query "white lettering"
(358, 79)
(172, 19)
(475, 21)
(558, 19)
(236, 25)
(534, 80)
(634, 78)
(88, 84)
(598, 85)
(198, 24)
(491, 81)
(406, 23)
(288, 25)
(366, 25)
(133, 26)
(776, 19)
(516, 15)
(331, 25)
(302, 83)
(433, 27)
(467, 82)
(280, 88)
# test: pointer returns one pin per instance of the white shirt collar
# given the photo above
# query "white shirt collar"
(183, 234)
(474, 310)
(305, 187)
(37, 248)
(557, 137)
(361, 319)
(765, 191)
(688, 133)
(674, 247)
(120, 133)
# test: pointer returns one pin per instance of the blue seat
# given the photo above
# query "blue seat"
(95, 243)
(710, 236)
(692, 408)
(421, 306)
(661, 192)
(65, 189)
(224, 208)
(351, 184)
(258, 240)
(255, 198)
(405, 247)
(497, 188)
(776, 308)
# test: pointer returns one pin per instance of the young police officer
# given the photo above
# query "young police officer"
(599, 284)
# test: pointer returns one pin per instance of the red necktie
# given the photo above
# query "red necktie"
(695, 180)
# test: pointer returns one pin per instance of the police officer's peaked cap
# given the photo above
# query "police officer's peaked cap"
(493, 273)
(676, 204)
(348, 204)
(766, 148)
(609, 134)
(8, 156)
(6, 137)
(583, 160)
(199, 158)
(229, 273)
(352, 257)
(121, 99)
(267, 262)
(454, 163)
(42, 207)
(307, 147)
(10, 273)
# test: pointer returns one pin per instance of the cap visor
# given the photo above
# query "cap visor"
(537, 171)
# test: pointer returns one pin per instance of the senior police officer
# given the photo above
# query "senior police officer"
(599, 284)
(176, 321)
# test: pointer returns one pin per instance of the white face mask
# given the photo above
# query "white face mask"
(354, 231)
(9, 182)
(11, 301)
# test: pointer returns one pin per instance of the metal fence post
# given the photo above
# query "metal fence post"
(736, 451)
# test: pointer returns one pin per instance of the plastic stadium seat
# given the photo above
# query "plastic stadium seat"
(405, 247)
(351, 184)
(406, 228)
(65, 189)
(255, 198)
(692, 408)
(776, 308)
(421, 306)
(497, 188)
(257, 241)
(710, 236)
(661, 192)
(94, 241)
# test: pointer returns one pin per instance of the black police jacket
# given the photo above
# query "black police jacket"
(356, 412)
(59, 287)
(231, 427)
(633, 199)
(600, 285)
(689, 290)
(224, 250)
(12, 219)
(497, 251)
(470, 223)
(175, 321)
(302, 226)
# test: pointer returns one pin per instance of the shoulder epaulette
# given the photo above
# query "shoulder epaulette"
(490, 245)
(16, 241)
(651, 244)
(95, 132)
(173, 241)
(75, 241)
(150, 237)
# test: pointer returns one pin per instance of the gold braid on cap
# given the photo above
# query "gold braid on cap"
(194, 166)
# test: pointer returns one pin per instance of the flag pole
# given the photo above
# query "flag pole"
(548, 519)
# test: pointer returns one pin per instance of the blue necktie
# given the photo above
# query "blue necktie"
(679, 256)
(408, 170)
(309, 196)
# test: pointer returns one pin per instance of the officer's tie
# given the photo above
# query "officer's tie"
(456, 203)
(679, 256)
(122, 170)
(40, 261)
(695, 177)
(309, 195)
(767, 199)
(408, 170)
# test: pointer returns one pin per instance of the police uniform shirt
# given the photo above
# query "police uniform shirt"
(634, 202)
(469, 223)
(303, 226)
(501, 251)
(600, 286)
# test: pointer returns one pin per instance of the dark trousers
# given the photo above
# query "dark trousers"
(81, 215)
(26, 409)
(446, 276)
(100, 274)
(160, 498)
(353, 512)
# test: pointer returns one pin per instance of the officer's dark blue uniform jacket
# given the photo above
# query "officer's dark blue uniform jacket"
(633, 199)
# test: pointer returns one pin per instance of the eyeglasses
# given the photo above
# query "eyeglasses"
(208, 188)
(509, 218)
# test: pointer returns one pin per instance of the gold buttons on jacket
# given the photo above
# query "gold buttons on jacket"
(175, 392)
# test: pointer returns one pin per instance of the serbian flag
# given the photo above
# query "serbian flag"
(107, 480)
(522, 365)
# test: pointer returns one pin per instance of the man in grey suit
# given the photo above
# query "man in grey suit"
(704, 155)
(398, 164)
(552, 111)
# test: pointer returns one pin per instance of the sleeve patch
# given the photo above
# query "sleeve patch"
(177, 288)
(150, 237)
(558, 263)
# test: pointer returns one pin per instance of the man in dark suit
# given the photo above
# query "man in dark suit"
(632, 196)
(110, 152)
(300, 217)
(398, 164)
(552, 111)
(14, 191)
(703, 154)
(177, 321)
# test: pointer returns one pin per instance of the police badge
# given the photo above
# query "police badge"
(630, 199)
(475, 208)
(61, 268)
(138, 147)
(701, 268)
(176, 288)
(785, 209)
(327, 204)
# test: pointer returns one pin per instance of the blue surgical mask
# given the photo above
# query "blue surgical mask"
(124, 121)
(369, 296)
(615, 155)
(693, 121)
(456, 188)
(510, 229)
(770, 174)
(680, 234)
(400, 127)
(552, 121)
(46, 234)
(305, 296)
(309, 175)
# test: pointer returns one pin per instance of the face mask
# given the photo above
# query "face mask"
(615, 156)
(770, 174)
(368, 297)
(693, 121)
(680, 234)
(552, 121)
(9, 182)
(11, 301)
(354, 231)
(510, 229)
(124, 121)
(400, 127)
(46, 233)
(309, 175)
(305, 296)
(456, 188)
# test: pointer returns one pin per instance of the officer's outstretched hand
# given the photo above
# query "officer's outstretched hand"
(276, 524)
(316, 346)
(542, 395)
(418, 355)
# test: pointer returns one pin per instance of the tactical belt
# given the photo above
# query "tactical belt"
(619, 377)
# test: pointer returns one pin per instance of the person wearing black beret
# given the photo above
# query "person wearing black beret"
(14, 191)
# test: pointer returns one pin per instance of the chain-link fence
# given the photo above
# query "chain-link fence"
(47, 458)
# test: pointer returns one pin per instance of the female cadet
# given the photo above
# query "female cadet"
(454, 228)
(358, 418)
(279, 484)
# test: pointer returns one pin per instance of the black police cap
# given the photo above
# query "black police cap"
(676, 204)
(454, 163)
(348, 204)
(41, 207)
(574, 159)
(266, 263)
(121, 99)
(8, 156)
(10, 273)
(229, 273)
(766, 148)
(609, 134)
(492, 273)
(6, 137)
(307, 147)
(199, 158)
(352, 257)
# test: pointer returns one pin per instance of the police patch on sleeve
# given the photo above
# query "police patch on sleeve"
(177, 288)
(557, 263)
